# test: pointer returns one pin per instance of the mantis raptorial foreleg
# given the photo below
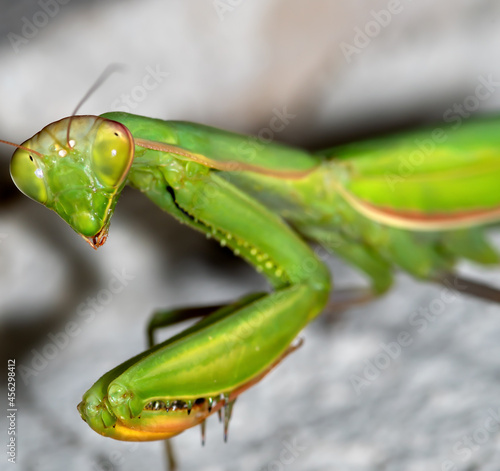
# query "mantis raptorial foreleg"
(167, 318)
(162, 319)
(228, 348)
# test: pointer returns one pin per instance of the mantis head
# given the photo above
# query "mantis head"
(77, 167)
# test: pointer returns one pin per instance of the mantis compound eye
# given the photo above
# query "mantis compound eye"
(28, 176)
(112, 153)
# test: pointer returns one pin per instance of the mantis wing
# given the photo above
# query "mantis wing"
(437, 179)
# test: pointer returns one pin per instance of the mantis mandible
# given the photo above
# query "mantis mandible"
(263, 203)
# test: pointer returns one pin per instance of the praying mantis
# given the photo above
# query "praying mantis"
(418, 201)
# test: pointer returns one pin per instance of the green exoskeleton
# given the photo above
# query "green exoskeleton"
(262, 202)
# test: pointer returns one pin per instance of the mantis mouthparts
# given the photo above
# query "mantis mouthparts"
(99, 239)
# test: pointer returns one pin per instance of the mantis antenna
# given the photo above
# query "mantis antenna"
(107, 72)
(21, 147)
(110, 69)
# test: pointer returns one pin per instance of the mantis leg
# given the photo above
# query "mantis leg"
(364, 257)
(470, 287)
(161, 319)
(170, 455)
(343, 299)
(167, 318)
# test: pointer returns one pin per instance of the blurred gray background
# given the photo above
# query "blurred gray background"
(231, 64)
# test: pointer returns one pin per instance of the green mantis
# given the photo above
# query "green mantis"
(263, 203)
